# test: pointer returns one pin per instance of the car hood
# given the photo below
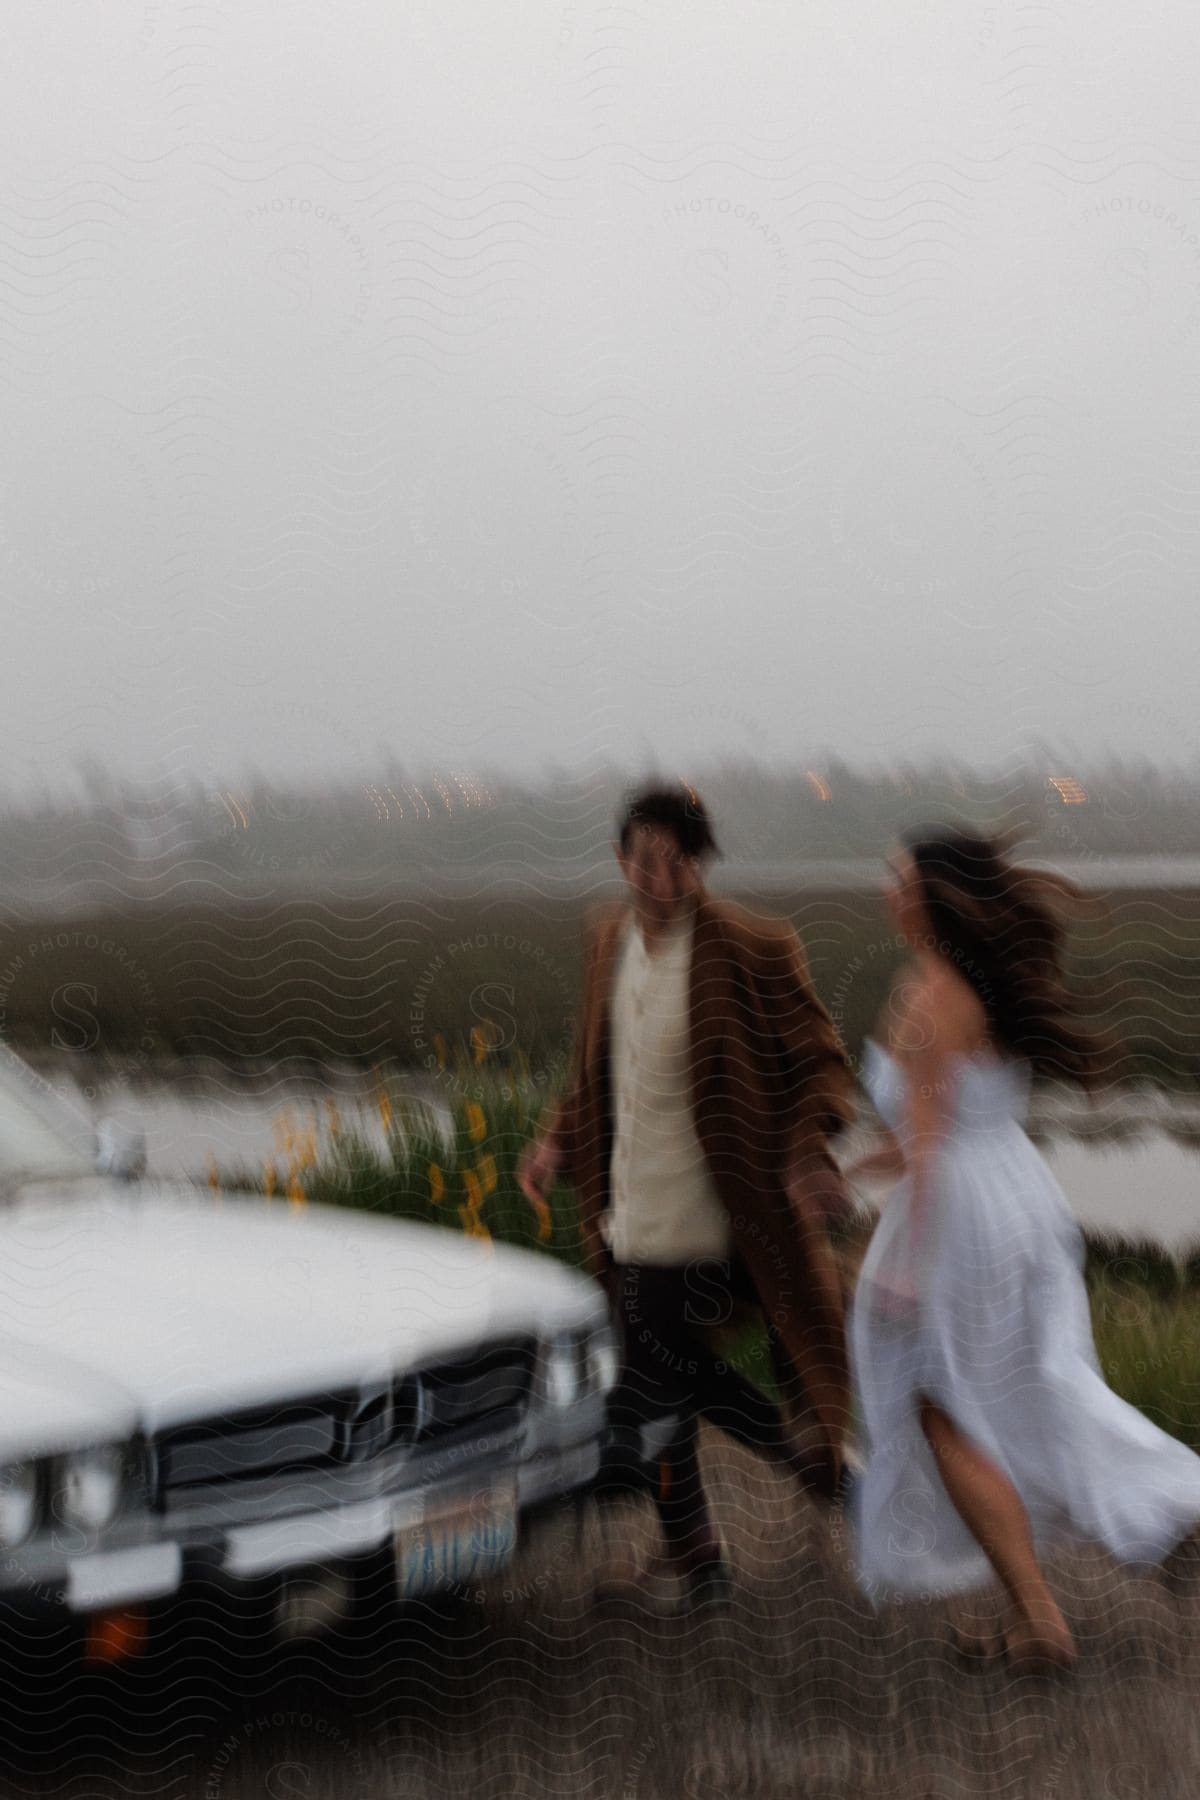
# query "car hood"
(163, 1303)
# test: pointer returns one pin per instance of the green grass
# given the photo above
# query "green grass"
(1140, 1263)
(1149, 1350)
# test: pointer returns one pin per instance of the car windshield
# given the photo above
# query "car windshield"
(41, 1134)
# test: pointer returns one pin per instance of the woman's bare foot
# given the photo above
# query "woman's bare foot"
(1040, 1641)
(1180, 1568)
(976, 1642)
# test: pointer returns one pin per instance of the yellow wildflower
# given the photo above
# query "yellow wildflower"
(437, 1186)
(474, 1191)
(472, 1224)
(476, 1121)
(214, 1175)
(385, 1110)
(487, 1174)
(295, 1193)
(304, 1152)
(545, 1221)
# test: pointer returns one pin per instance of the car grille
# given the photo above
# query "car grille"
(485, 1389)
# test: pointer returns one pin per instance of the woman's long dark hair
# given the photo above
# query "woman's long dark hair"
(991, 920)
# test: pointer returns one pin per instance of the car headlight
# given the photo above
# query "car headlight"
(577, 1363)
(603, 1359)
(18, 1503)
(561, 1373)
(89, 1486)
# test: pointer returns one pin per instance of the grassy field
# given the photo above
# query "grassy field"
(408, 985)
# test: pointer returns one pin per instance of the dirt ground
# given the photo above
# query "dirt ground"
(529, 1687)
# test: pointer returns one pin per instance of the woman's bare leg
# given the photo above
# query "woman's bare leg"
(989, 1504)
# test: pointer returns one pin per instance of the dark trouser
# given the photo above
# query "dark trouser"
(661, 1312)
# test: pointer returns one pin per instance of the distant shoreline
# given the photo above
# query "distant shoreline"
(562, 879)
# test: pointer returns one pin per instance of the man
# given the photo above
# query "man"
(706, 1082)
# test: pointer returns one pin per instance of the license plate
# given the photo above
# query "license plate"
(458, 1543)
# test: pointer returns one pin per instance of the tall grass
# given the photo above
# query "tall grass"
(461, 1179)
(1149, 1350)
(1140, 1262)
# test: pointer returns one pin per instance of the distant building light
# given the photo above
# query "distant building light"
(1069, 791)
(237, 814)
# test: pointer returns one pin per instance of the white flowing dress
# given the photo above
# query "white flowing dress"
(990, 1319)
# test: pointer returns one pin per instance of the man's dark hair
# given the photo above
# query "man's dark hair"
(678, 810)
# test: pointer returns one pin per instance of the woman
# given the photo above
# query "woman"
(990, 1430)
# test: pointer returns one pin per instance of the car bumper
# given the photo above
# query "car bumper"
(243, 1553)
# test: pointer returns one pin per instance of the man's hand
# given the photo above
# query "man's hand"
(814, 1182)
(538, 1164)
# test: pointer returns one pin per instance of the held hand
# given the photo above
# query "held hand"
(810, 1183)
(886, 1161)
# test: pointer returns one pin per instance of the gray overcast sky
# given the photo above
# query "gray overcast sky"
(555, 382)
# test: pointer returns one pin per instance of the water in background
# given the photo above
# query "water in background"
(1147, 1183)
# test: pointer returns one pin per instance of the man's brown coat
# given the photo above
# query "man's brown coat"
(770, 1083)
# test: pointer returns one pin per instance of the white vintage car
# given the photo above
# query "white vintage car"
(218, 1388)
